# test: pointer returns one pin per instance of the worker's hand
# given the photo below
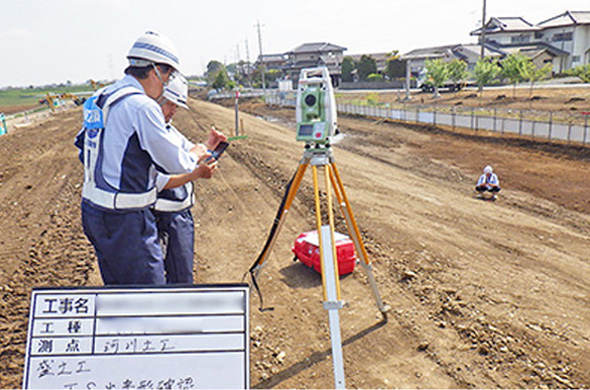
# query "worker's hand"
(200, 150)
(215, 137)
(207, 166)
(205, 171)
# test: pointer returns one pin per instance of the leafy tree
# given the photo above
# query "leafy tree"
(582, 71)
(512, 69)
(221, 80)
(366, 66)
(532, 74)
(395, 68)
(437, 71)
(486, 71)
(457, 71)
(212, 68)
(347, 69)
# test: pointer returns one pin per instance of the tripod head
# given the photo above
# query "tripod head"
(316, 107)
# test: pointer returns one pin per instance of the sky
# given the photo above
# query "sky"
(55, 41)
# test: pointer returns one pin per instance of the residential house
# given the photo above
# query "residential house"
(470, 53)
(563, 40)
(569, 32)
(271, 61)
(310, 55)
(507, 31)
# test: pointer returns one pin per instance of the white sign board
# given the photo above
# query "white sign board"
(156, 338)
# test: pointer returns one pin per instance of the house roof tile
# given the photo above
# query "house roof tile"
(567, 18)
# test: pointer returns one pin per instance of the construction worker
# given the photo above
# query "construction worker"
(123, 141)
(488, 183)
(175, 194)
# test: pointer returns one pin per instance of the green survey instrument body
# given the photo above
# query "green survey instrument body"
(315, 107)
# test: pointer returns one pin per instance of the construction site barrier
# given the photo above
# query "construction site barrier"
(569, 127)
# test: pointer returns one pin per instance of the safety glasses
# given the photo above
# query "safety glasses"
(173, 75)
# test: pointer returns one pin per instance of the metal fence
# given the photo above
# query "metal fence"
(570, 127)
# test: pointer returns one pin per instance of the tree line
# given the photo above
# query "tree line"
(514, 68)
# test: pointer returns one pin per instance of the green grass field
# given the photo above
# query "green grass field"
(31, 96)
(17, 97)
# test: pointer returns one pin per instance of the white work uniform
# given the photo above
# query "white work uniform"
(136, 142)
(129, 151)
(176, 227)
(493, 179)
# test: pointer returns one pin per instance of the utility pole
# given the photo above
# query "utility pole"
(247, 52)
(248, 64)
(262, 60)
(408, 72)
(482, 42)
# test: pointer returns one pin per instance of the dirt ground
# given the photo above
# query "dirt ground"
(483, 294)
(573, 99)
(16, 109)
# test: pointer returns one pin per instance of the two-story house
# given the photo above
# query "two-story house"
(563, 40)
(309, 55)
(569, 32)
(271, 61)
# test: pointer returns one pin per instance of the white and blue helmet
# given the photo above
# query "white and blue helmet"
(153, 48)
(177, 91)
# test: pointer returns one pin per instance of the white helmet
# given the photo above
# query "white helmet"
(488, 169)
(153, 48)
(177, 91)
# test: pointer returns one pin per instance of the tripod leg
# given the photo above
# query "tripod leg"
(356, 236)
(279, 220)
(330, 280)
(328, 173)
(318, 218)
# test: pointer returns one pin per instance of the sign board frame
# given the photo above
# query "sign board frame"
(176, 337)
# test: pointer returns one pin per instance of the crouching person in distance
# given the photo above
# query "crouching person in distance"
(172, 209)
(488, 183)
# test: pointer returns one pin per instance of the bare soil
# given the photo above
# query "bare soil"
(483, 294)
(574, 99)
(16, 109)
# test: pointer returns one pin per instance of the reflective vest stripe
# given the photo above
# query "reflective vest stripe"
(168, 205)
(118, 200)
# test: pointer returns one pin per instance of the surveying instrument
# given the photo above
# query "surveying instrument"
(316, 126)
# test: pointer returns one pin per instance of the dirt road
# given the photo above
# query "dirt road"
(483, 294)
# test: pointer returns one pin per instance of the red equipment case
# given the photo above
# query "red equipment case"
(306, 249)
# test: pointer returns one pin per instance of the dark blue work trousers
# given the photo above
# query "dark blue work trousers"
(177, 235)
(126, 245)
